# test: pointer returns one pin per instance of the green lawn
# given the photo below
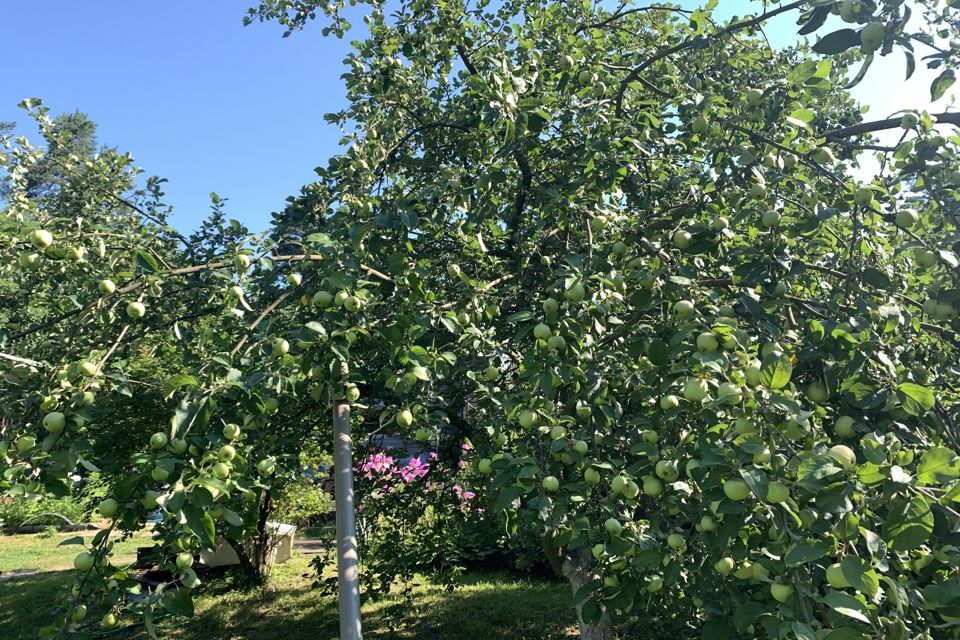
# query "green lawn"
(489, 606)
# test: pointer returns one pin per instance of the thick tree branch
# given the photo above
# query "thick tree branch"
(889, 123)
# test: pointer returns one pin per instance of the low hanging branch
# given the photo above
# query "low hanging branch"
(889, 123)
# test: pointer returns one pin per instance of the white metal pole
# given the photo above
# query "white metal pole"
(348, 572)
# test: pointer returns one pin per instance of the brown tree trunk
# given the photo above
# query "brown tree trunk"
(577, 567)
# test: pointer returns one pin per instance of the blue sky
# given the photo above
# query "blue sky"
(215, 106)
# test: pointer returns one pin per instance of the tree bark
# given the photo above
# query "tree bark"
(577, 567)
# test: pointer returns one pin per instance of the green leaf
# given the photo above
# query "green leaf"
(147, 262)
(909, 523)
(804, 552)
(178, 602)
(847, 605)
(776, 371)
(837, 42)
(745, 614)
(916, 400)
(943, 82)
(177, 381)
(73, 540)
(201, 524)
(938, 466)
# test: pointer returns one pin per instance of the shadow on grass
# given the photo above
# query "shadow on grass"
(27, 602)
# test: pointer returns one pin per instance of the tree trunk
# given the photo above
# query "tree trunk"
(577, 568)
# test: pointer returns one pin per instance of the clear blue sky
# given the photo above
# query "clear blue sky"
(215, 106)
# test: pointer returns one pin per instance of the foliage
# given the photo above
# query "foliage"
(301, 502)
(17, 511)
(618, 253)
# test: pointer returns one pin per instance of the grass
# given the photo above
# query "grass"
(39, 552)
(489, 605)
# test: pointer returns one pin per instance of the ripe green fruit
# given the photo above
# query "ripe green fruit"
(527, 419)
(650, 436)
(220, 470)
(54, 422)
(266, 466)
(695, 389)
(863, 197)
(352, 304)
(909, 120)
(551, 484)
(844, 427)
(558, 432)
(106, 286)
(565, 63)
(83, 561)
(404, 418)
(762, 457)
(184, 560)
(871, 36)
(557, 343)
(231, 431)
(491, 373)
(25, 443)
(550, 305)
(730, 393)
(619, 248)
(584, 410)
(591, 475)
(817, 392)
(149, 499)
(41, 238)
(541, 331)
(683, 310)
(80, 613)
(580, 446)
(736, 490)
(770, 218)
(323, 298)
(159, 474)
(822, 155)
(351, 393)
(108, 507)
(669, 402)
(724, 565)
(618, 484)
(744, 426)
(754, 97)
(758, 191)
(835, 577)
(676, 541)
(752, 373)
(136, 310)
(708, 524)
(576, 293)
(241, 262)
(654, 584)
(780, 592)
(699, 125)
(707, 342)
(613, 526)
(485, 465)
(227, 453)
(667, 470)
(682, 238)
(777, 493)
(652, 486)
(108, 621)
(906, 218)
(279, 347)
(843, 455)
(189, 579)
(924, 257)
(158, 440)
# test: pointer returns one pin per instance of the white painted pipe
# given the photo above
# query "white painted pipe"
(348, 571)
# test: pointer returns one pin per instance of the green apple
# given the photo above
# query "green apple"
(730, 393)
(566, 63)
(550, 305)
(736, 490)
(54, 422)
(619, 248)
(650, 436)
(294, 279)
(669, 402)
(227, 453)
(83, 561)
(40, 238)
(108, 621)
(708, 524)
(724, 565)
(667, 470)
(220, 470)
(591, 475)
(835, 577)
(598, 550)
(744, 426)
(762, 457)
(158, 440)
(822, 155)
(351, 392)
(613, 526)
(652, 486)
(527, 419)
(352, 304)
(29, 260)
(88, 368)
(618, 484)
(79, 613)
(871, 36)
(551, 484)
(584, 410)
(863, 197)
(777, 493)
(707, 342)
(843, 455)
(491, 373)
(676, 541)
(580, 446)
(136, 310)
(817, 392)
(159, 474)
(241, 262)
(781, 592)
(557, 343)
(758, 191)
(189, 579)
(340, 298)
(843, 427)
(752, 373)
(909, 120)
(266, 466)
(323, 298)
(924, 257)
(106, 286)
(695, 389)
(682, 238)
(754, 97)
(744, 571)
(683, 310)
(231, 431)
(108, 507)
(404, 418)
(719, 223)
(699, 125)
(654, 584)
(770, 218)
(558, 432)
(25, 443)
(235, 292)
(575, 293)
(184, 560)
(485, 465)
